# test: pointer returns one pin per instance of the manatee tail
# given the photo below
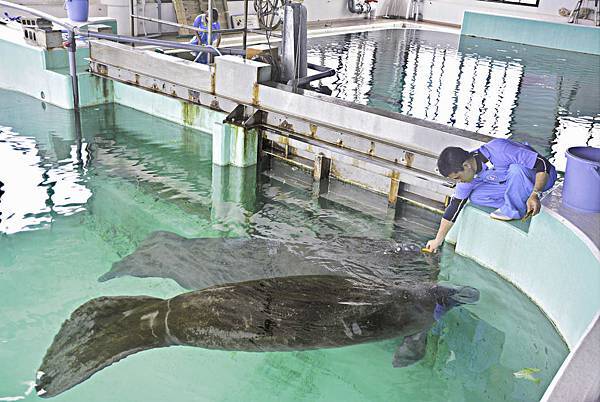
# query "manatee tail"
(99, 333)
(107, 276)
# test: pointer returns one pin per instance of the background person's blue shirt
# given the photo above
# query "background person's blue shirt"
(200, 22)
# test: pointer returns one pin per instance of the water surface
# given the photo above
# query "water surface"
(77, 201)
(548, 98)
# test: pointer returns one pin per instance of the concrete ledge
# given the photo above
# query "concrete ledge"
(172, 109)
(579, 376)
(576, 38)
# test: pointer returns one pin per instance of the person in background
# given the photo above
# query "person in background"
(201, 22)
(501, 174)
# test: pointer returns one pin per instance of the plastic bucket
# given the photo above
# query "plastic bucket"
(77, 10)
(581, 189)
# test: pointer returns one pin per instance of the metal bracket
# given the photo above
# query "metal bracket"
(257, 119)
(237, 116)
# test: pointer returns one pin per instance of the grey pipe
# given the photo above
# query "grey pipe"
(190, 27)
(162, 43)
(73, 69)
(210, 22)
(245, 37)
(324, 73)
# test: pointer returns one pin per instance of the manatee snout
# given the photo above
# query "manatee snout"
(466, 295)
(451, 295)
(107, 276)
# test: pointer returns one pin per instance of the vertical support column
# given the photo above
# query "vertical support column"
(244, 146)
(221, 145)
(234, 145)
(209, 14)
(245, 35)
(394, 189)
(73, 69)
(293, 50)
(322, 168)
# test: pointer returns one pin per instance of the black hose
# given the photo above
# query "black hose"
(324, 73)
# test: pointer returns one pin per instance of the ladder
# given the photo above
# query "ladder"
(575, 14)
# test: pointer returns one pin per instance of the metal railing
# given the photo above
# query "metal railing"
(73, 30)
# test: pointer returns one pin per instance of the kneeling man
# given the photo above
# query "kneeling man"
(502, 174)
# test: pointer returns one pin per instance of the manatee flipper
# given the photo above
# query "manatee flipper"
(411, 350)
(98, 334)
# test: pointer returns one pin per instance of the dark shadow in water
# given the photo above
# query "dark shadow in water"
(204, 262)
(278, 314)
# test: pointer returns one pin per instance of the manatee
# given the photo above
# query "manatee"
(276, 314)
(204, 262)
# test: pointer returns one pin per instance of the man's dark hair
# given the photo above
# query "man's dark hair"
(451, 160)
(215, 16)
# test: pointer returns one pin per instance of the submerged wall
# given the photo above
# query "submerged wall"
(558, 266)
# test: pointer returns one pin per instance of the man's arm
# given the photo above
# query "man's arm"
(445, 226)
(534, 205)
(450, 216)
(542, 168)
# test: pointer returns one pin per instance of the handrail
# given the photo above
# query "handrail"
(190, 27)
(162, 43)
(72, 43)
(38, 13)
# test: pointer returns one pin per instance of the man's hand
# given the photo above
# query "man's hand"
(433, 245)
(533, 204)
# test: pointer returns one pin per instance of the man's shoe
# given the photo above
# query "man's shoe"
(499, 216)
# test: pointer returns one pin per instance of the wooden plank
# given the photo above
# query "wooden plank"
(186, 11)
(221, 6)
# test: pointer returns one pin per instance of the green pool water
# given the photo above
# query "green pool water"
(72, 207)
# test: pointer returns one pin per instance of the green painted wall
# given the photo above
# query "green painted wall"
(554, 35)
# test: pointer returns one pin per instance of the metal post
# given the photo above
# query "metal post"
(159, 15)
(245, 24)
(210, 21)
(73, 69)
(132, 20)
(72, 46)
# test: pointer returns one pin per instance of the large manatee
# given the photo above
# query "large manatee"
(203, 262)
(278, 314)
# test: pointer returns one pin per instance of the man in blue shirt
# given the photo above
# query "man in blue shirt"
(201, 22)
(502, 174)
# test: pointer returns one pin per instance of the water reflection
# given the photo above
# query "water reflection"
(39, 183)
(572, 132)
(495, 88)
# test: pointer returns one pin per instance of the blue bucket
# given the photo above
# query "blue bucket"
(77, 10)
(581, 189)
